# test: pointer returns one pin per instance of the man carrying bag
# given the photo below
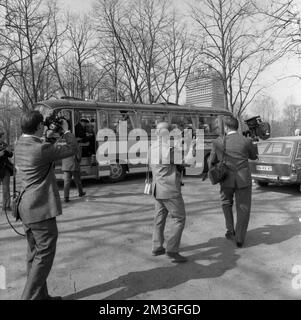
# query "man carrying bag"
(233, 151)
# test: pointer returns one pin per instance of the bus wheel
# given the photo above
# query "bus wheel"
(117, 172)
(262, 183)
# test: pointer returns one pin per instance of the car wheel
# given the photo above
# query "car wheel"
(117, 172)
(262, 183)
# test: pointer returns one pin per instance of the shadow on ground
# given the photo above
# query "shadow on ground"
(221, 254)
(217, 250)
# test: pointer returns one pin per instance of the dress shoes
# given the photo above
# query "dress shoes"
(230, 235)
(82, 194)
(239, 244)
(158, 252)
(176, 257)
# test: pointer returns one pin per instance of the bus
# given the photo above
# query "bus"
(99, 115)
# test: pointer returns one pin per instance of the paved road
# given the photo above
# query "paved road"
(105, 243)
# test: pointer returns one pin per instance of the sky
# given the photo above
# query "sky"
(283, 92)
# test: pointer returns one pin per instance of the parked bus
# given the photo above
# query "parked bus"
(100, 115)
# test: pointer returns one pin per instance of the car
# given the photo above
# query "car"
(279, 161)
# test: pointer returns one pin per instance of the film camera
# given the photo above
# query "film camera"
(257, 129)
(54, 127)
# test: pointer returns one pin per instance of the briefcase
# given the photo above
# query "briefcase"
(217, 173)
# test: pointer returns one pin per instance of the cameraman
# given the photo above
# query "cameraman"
(6, 171)
(40, 203)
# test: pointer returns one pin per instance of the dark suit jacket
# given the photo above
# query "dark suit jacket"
(238, 150)
(34, 162)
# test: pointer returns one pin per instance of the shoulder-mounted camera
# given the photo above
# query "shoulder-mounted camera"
(54, 127)
(257, 129)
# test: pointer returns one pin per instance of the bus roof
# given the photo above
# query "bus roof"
(81, 104)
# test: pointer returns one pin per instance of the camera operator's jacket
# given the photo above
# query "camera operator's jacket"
(34, 162)
(238, 151)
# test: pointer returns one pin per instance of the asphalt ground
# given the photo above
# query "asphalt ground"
(104, 247)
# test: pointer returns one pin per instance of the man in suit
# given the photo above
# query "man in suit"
(238, 181)
(81, 130)
(40, 203)
(71, 168)
(166, 190)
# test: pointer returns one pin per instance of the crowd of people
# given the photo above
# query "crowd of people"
(41, 204)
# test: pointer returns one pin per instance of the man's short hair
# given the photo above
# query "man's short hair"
(231, 122)
(30, 121)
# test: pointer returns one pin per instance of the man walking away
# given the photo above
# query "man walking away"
(40, 203)
(238, 181)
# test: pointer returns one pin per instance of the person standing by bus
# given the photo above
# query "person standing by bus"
(71, 168)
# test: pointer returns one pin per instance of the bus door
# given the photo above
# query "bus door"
(118, 123)
(85, 126)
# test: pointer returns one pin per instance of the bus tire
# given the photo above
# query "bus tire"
(261, 183)
(117, 172)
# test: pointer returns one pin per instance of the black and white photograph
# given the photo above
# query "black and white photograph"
(150, 152)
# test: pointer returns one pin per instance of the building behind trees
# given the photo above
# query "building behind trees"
(205, 89)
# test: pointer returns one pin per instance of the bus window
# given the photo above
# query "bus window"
(149, 120)
(182, 121)
(210, 125)
(115, 117)
(103, 121)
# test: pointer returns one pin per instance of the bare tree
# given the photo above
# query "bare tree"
(29, 23)
(153, 61)
(239, 44)
(9, 116)
(292, 115)
(182, 53)
(78, 63)
(265, 106)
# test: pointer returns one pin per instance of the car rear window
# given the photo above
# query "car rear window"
(283, 149)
